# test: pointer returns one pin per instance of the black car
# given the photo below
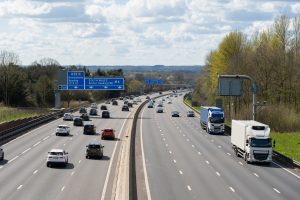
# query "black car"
(115, 103)
(82, 110)
(130, 104)
(190, 113)
(93, 111)
(103, 107)
(175, 114)
(125, 108)
(78, 122)
(94, 149)
(89, 129)
(147, 97)
(85, 117)
(105, 114)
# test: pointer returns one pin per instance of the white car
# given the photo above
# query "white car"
(68, 116)
(63, 130)
(94, 105)
(1, 154)
(159, 110)
(57, 156)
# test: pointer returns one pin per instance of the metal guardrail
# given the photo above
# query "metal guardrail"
(278, 157)
(132, 169)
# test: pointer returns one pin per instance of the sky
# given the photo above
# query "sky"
(130, 32)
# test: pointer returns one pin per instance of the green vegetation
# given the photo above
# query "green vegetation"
(271, 58)
(189, 102)
(9, 114)
(288, 144)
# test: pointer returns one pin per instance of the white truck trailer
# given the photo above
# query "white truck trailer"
(251, 140)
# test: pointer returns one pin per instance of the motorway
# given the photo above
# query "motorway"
(181, 161)
(24, 174)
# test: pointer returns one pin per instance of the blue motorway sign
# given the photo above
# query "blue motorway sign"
(104, 84)
(75, 80)
(153, 82)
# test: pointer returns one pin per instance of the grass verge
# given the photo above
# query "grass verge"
(288, 144)
(10, 114)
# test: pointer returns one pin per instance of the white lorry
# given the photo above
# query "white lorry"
(251, 140)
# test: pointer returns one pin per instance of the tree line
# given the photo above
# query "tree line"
(272, 58)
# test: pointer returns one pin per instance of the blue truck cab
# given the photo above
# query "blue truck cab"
(212, 119)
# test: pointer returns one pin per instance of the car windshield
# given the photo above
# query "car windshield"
(62, 127)
(56, 153)
(107, 130)
(264, 143)
(94, 146)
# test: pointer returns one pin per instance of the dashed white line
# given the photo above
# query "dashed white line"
(240, 163)
(46, 138)
(189, 188)
(276, 190)
(180, 172)
(255, 174)
(161, 134)
(170, 152)
(72, 173)
(199, 152)
(20, 187)
(174, 161)
(207, 162)
(183, 135)
(1, 167)
(228, 154)
(193, 146)
(218, 173)
(187, 140)
(167, 145)
(160, 130)
(64, 144)
(79, 161)
(62, 189)
(231, 188)
(219, 147)
(35, 171)
(13, 159)
(26, 150)
(37, 143)
(164, 139)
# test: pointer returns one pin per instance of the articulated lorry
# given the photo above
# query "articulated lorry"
(251, 140)
(212, 119)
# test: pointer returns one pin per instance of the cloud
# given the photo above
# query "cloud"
(22, 7)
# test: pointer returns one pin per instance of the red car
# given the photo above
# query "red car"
(108, 133)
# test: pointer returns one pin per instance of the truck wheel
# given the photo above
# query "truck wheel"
(236, 152)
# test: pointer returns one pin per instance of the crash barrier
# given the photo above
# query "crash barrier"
(132, 169)
(19, 127)
(277, 157)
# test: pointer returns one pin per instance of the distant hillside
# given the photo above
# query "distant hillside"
(155, 68)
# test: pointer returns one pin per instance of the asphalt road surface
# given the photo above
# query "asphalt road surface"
(24, 175)
(182, 161)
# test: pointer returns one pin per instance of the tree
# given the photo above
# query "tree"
(44, 91)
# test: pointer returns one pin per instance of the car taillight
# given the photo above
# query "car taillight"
(50, 156)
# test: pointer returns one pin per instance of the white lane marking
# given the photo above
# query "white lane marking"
(231, 188)
(180, 172)
(26, 150)
(199, 152)
(167, 145)
(35, 171)
(174, 161)
(46, 138)
(13, 159)
(187, 140)
(62, 189)
(37, 143)
(170, 152)
(228, 154)
(193, 146)
(276, 190)
(161, 134)
(79, 161)
(20, 187)
(240, 163)
(286, 170)
(160, 130)
(1, 167)
(110, 161)
(64, 144)
(189, 187)
(72, 173)
(218, 173)
(219, 147)
(183, 135)
(207, 162)
(164, 139)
